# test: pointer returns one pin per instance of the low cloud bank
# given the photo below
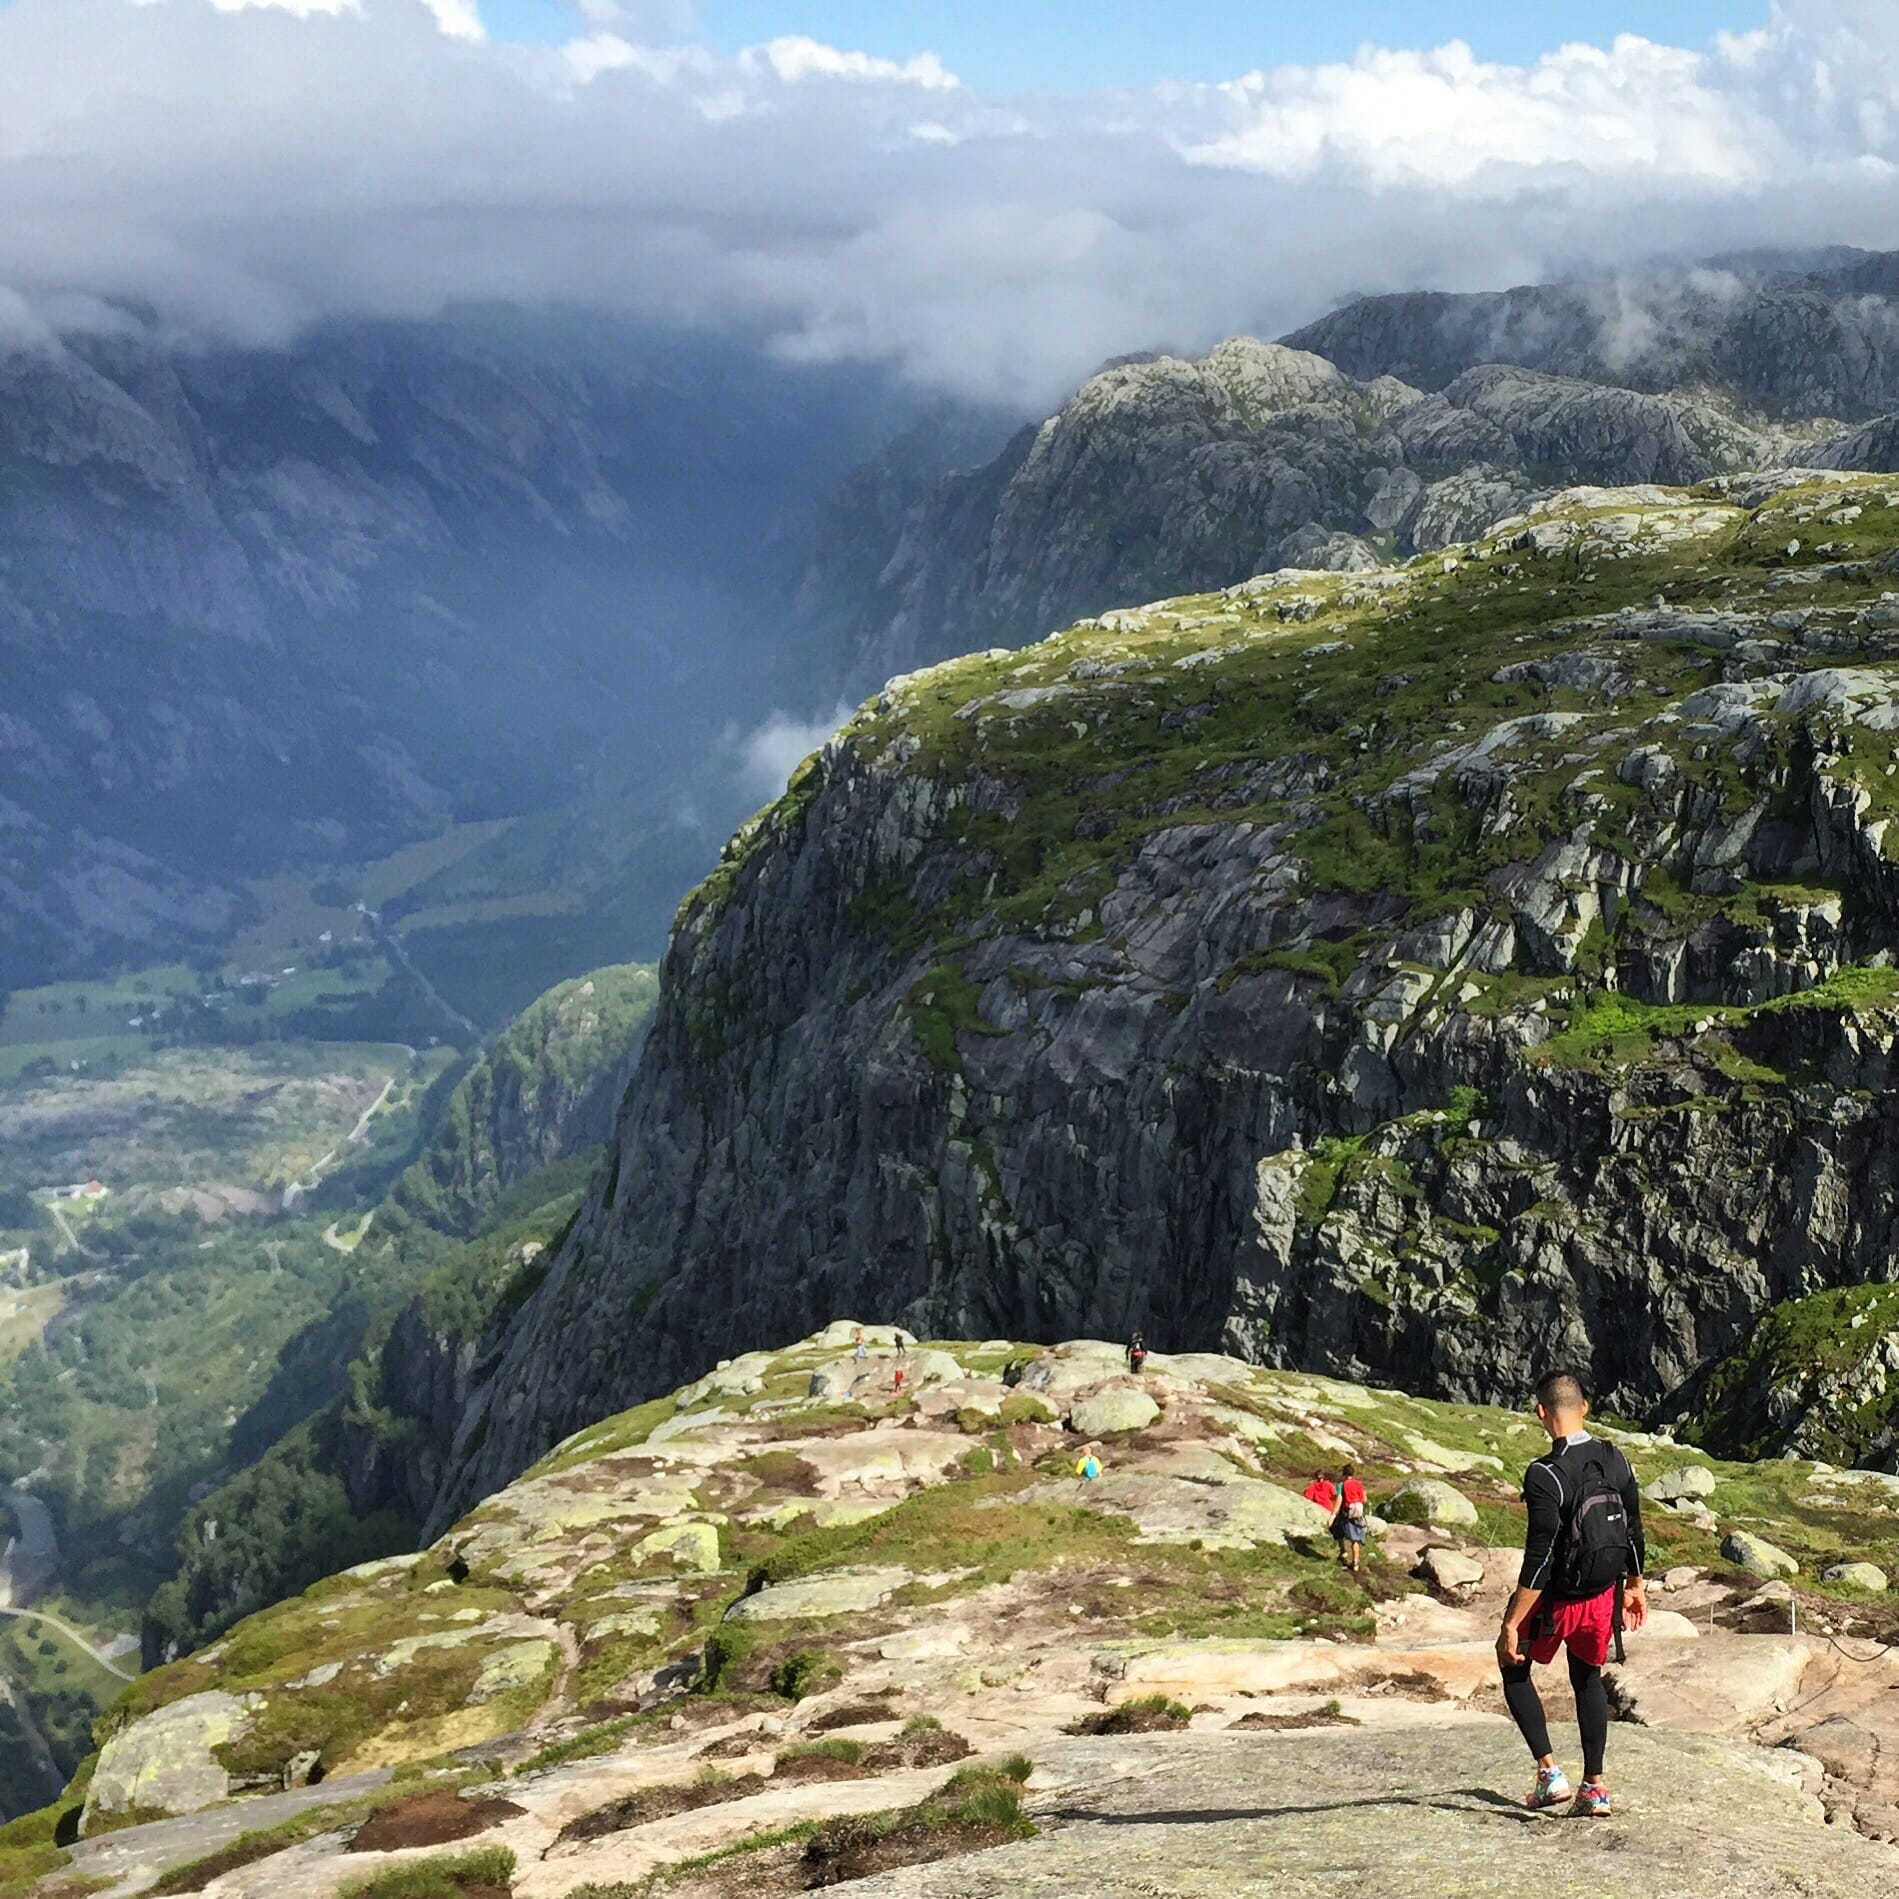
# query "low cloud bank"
(248, 167)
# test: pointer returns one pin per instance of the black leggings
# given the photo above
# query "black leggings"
(1592, 1711)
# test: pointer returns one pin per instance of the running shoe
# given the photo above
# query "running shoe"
(1551, 1789)
(1593, 1799)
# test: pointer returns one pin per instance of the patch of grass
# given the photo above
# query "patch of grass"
(943, 1005)
(1608, 1029)
(1326, 1160)
(807, 1672)
(707, 1862)
(1151, 1714)
(475, 1875)
(583, 1746)
(850, 1752)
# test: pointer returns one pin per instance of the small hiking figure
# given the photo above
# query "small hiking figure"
(1137, 1353)
(1089, 1466)
(1580, 1586)
(1348, 1521)
(1322, 1492)
(862, 1351)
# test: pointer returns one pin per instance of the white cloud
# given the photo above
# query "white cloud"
(794, 58)
(460, 19)
(771, 753)
(253, 170)
(301, 8)
(1444, 118)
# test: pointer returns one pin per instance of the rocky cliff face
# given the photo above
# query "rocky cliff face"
(1162, 476)
(1415, 976)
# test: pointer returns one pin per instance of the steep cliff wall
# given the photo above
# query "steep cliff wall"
(1408, 976)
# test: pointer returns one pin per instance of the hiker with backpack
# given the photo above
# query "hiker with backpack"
(1137, 1354)
(1580, 1586)
(1348, 1525)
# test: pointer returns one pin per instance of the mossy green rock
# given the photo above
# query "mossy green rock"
(693, 1546)
(1119, 1408)
(167, 1762)
(1680, 1484)
(1756, 1555)
(520, 1665)
(841, 1592)
(1865, 1576)
(1431, 1500)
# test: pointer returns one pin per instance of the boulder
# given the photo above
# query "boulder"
(165, 1762)
(1434, 1500)
(1756, 1555)
(693, 1546)
(1118, 1408)
(1263, 1512)
(1867, 1576)
(1449, 1569)
(1685, 1482)
(1667, 1625)
(519, 1665)
(1429, 1451)
(838, 1592)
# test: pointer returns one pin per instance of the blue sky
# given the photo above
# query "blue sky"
(1064, 45)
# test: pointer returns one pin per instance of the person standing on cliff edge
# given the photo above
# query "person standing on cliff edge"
(1580, 1586)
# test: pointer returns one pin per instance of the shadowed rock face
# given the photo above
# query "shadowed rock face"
(1415, 977)
(1790, 345)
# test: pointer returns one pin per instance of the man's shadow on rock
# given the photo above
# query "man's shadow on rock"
(1484, 1801)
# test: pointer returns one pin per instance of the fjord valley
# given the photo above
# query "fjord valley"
(1423, 914)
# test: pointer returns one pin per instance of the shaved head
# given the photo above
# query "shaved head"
(1559, 1391)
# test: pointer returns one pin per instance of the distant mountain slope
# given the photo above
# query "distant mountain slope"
(1163, 475)
(292, 607)
(1791, 344)
(372, 1391)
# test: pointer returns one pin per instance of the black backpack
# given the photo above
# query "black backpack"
(1593, 1553)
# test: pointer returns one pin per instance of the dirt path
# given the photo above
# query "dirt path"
(73, 1241)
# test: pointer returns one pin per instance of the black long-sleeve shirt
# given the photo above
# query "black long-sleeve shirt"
(1551, 1485)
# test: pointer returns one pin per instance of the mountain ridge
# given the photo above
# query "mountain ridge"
(1271, 969)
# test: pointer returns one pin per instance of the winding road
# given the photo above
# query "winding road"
(29, 1563)
(355, 1138)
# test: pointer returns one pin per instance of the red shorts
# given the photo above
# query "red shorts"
(1587, 1627)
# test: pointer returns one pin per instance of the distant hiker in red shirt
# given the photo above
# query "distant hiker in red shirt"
(1580, 1585)
(1320, 1491)
(1137, 1353)
(1348, 1525)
